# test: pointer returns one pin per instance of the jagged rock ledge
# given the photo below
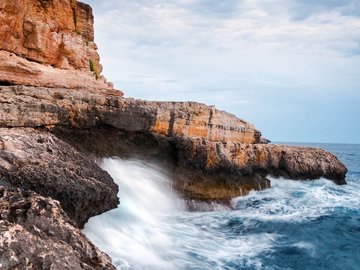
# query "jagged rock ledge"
(38, 161)
(212, 154)
(208, 170)
(38, 107)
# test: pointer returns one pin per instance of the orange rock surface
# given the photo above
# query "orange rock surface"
(53, 106)
(57, 34)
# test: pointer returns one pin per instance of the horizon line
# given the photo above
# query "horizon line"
(348, 143)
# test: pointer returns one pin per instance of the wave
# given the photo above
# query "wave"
(297, 201)
(293, 225)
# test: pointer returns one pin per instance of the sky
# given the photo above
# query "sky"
(291, 67)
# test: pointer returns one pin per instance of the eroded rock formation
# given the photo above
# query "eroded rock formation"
(236, 168)
(38, 161)
(208, 170)
(214, 155)
(88, 109)
(56, 34)
(35, 233)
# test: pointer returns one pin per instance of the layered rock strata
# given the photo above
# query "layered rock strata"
(214, 155)
(49, 43)
(80, 109)
(15, 70)
(233, 169)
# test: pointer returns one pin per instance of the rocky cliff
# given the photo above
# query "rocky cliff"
(213, 154)
(49, 43)
(58, 116)
(37, 107)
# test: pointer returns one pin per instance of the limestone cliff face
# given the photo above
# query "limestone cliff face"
(52, 32)
(57, 34)
(88, 109)
(194, 120)
(195, 136)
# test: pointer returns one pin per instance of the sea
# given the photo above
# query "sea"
(292, 225)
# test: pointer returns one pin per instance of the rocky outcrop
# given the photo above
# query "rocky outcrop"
(277, 160)
(15, 70)
(234, 169)
(209, 149)
(52, 32)
(38, 161)
(80, 109)
(58, 35)
(264, 140)
(84, 21)
(208, 170)
(35, 233)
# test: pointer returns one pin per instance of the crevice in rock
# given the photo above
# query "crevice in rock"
(5, 83)
(171, 124)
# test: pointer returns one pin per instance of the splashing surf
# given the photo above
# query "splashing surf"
(293, 225)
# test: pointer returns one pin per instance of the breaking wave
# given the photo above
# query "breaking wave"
(293, 225)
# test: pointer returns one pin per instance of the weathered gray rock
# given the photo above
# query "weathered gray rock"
(38, 161)
(35, 233)
(265, 159)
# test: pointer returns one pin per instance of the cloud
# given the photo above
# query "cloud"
(217, 9)
(223, 25)
(190, 34)
(303, 9)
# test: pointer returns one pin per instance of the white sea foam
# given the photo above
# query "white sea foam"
(152, 230)
(294, 201)
(134, 233)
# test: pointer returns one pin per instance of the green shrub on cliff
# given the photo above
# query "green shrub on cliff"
(94, 69)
